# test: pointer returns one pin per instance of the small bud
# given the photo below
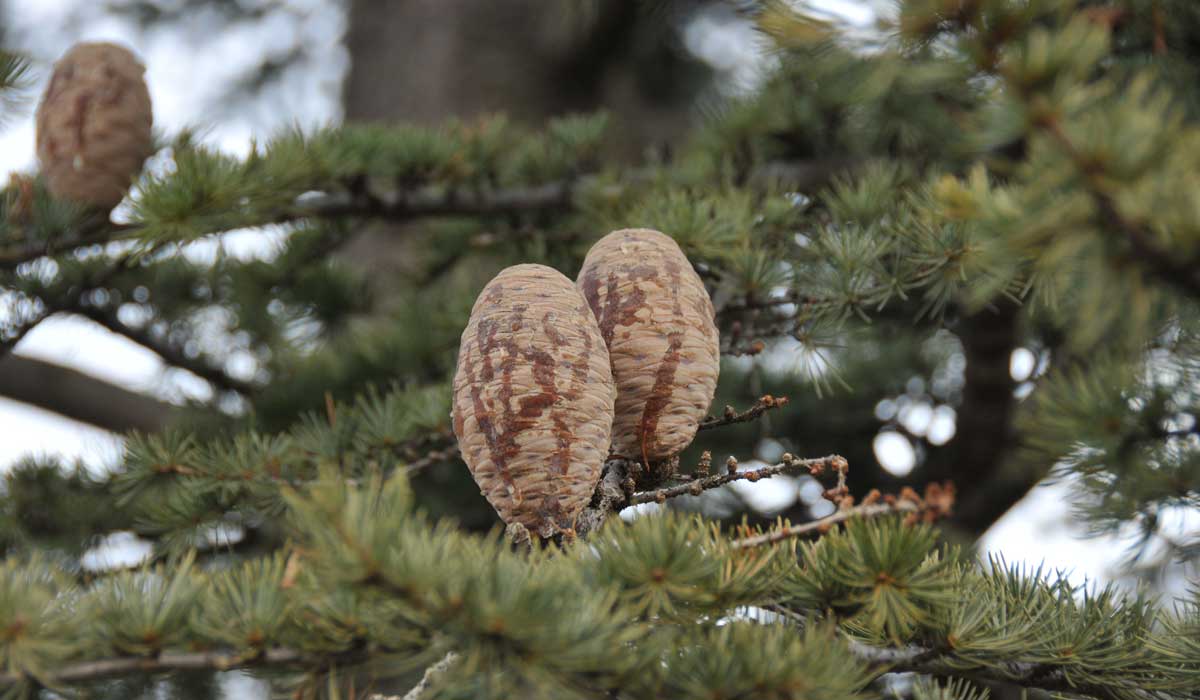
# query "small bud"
(731, 465)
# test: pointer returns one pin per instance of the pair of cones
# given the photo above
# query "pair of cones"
(553, 377)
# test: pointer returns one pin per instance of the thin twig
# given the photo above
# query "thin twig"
(431, 458)
(698, 486)
(864, 511)
(936, 503)
(764, 404)
(50, 307)
(169, 353)
(431, 675)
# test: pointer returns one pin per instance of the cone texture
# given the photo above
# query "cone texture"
(94, 125)
(657, 320)
(533, 398)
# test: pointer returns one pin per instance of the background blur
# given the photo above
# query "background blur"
(237, 69)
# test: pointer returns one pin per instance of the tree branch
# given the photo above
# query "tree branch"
(200, 661)
(429, 201)
(1180, 271)
(429, 678)
(1030, 676)
(697, 486)
(937, 503)
(170, 354)
(764, 404)
(93, 231)
(80, 396)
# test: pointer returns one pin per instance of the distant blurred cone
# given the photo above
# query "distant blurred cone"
(94, 125)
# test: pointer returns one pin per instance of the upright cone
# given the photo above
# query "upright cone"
(94, 125)
(658, 322)
(533, 398)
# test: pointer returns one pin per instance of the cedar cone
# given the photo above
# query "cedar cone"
(533, 398)
(658, 322)
(94, 125)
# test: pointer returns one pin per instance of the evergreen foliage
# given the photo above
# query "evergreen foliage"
(1032, 161)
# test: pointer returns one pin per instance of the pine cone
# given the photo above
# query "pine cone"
(94, 125)
(657, 319)
(533, 398)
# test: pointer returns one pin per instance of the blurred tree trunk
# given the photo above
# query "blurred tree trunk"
(425, 61)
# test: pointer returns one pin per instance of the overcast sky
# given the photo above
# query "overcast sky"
(187, 73)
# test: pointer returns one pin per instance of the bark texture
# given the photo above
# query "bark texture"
(81, 397)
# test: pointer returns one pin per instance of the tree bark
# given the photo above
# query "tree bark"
(977, 459)
(427, 60)
(79, 396)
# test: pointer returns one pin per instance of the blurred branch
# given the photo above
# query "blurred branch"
(199, 661)
(1179, 271)
(81, 397)
(1030, 676)
(430, 201)
(91, 232)
(169, 353)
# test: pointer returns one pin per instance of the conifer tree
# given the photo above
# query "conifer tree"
(992, 173)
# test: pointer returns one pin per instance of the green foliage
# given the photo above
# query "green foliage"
(867, 210)
(371, 584)
(880, 577)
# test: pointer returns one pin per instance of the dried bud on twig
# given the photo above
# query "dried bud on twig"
(533, 398)
(94, 125)
(657, 319)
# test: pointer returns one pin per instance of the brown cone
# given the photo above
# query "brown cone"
(533, 398)
(94, 125)
(658, 322)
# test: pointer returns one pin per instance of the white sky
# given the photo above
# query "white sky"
(184, 74)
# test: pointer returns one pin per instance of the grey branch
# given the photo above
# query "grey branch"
(865, 511)
(433, 200)
(731, 416)
(1028, 675)
(200, 661)
(615, 490)
(431, 675)
(697, 486)
(170, 354)
(80, 396)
